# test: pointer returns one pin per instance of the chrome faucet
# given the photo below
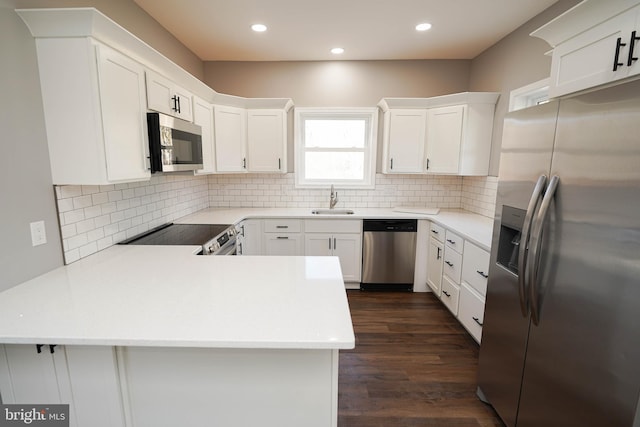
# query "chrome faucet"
(333, 199)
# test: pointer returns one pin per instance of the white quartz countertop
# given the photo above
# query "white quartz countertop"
(168, 297)
(473, 227)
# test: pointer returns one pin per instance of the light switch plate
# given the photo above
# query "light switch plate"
(38, 233)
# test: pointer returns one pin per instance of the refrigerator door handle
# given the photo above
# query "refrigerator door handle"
(536, 241)
(524, 242)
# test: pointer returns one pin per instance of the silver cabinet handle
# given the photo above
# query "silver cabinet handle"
(524, 243)
(329, 243)
(282, 237)
(536, 242)
(334, 244)
(282, 226)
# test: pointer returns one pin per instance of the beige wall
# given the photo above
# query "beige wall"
(338, 83)
(26, 189)
(130, 16)
(515, 61)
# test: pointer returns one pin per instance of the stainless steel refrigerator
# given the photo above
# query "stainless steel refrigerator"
(561, 336)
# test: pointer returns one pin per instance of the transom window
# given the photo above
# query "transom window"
(335, 146)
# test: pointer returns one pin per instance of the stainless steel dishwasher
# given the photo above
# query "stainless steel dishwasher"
(388, 254)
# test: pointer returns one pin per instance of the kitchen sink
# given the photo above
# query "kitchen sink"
(332, 212)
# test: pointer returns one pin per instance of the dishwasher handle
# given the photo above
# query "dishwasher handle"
(390, 225)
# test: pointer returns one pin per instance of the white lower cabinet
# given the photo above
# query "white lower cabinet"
(471, 311)
(341, 238)
(85, 377)
(434, 265)
(283, 237)
(250, 237)
(457, 273)
(286, 244)
(449, 295)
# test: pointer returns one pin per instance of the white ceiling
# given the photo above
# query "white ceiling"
(302, 30)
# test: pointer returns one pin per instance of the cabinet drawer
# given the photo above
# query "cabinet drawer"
(452, 264)
(453, 241)
(475, 267)
(471, 311)
(282, 225)
(437, 232)
(450, 294)
(332, 226)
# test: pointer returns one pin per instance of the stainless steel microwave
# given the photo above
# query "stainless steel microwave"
(174, 144)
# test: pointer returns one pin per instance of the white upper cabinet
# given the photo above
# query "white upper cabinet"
(444, 137)
(203, 117)
(249, 139)
(166, 97)
(95, 112)
(230, 139)
(266, 140)
(404, 140)
(448, 134)
(594, 43)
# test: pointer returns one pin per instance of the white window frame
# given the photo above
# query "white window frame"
(370, 145)
(527, 96)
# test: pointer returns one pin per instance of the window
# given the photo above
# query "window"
(527, 96)
(336, 146)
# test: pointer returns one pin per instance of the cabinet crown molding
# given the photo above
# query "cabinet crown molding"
(440, 101)
(581, 17)
(90, 22)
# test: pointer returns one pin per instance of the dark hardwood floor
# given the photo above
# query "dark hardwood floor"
(413, 365)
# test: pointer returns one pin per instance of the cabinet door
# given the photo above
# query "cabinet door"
(406, 141)
(28, 376)
(266, 141)
(203, 117)
(444, 138)
(230, 139)
(184, 100)
(450, 294)
(318, 244)
(348, 247)
(434, 265)
(586, 60)
(159, 93)
(283, 244)
(475, 267)
(471, 311)
(250, 237)
(124, 120)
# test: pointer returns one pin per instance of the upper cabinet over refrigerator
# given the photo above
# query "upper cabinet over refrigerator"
(594, 43)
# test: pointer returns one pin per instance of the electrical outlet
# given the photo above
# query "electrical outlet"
(38, 233)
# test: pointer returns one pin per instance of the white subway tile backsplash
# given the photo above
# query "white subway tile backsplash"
(92, 218)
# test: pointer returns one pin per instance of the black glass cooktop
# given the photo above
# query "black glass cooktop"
(178, 234)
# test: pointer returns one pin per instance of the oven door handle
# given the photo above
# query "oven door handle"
(228, 248)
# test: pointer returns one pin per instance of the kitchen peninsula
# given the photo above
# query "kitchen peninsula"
(155, 335)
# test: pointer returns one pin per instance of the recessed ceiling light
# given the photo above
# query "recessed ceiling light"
(423, 27)
(259, 28)
(337, 50)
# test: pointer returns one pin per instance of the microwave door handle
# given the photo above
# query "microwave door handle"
(524, 243)
(536, 242)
